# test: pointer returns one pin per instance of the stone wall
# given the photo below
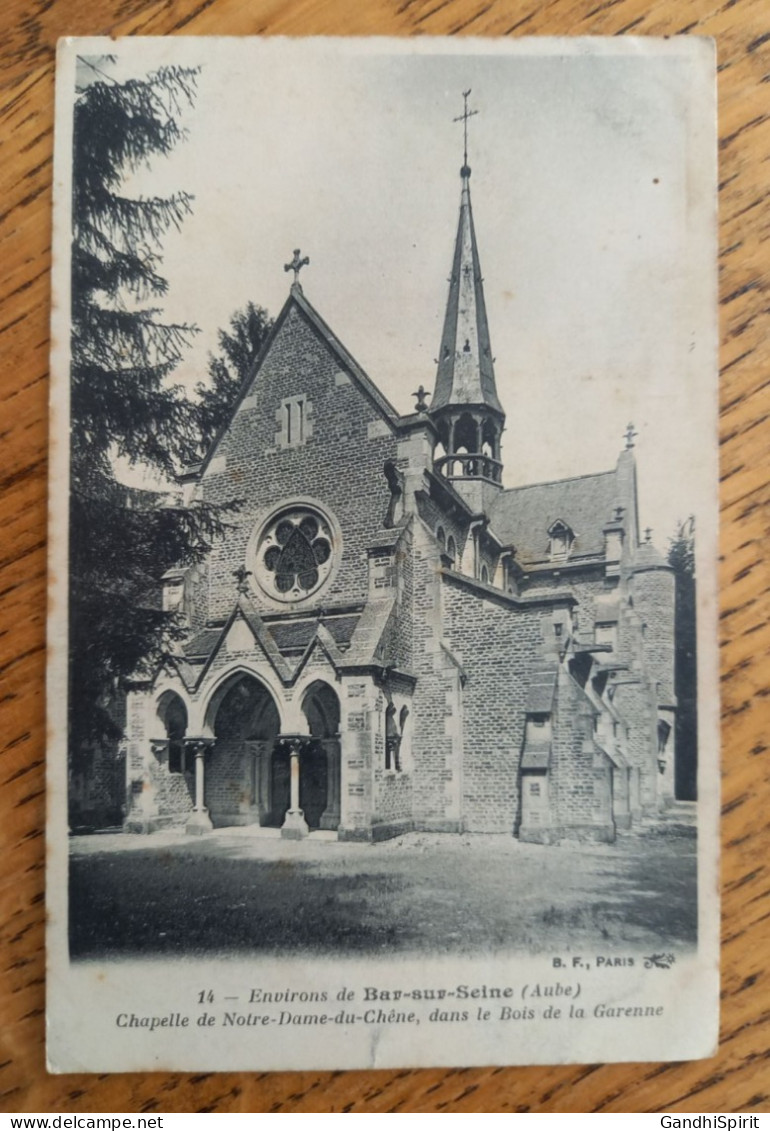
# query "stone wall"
(635, 702)
(498, 647)
(654, 603)
(227, 780)
(586, 584)
(358, 726)
(340, 464)
(174, 793)
(437, 734)
(580, 788)
(392, 797)
(433, 516)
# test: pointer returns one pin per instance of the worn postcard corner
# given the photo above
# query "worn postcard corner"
(383, 679)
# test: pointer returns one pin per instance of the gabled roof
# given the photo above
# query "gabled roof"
(322, 639)
(188, 673)
(524, 515)
(297, 301)
(370, 630)
(347, 360)
(201, 645)
(246, 611)
(292, 635)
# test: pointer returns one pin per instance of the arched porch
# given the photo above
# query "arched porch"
(252, 773)
(245, 722)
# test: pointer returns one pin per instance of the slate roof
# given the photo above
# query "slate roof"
(536, 756)
(370, 630)
(465, 372)
(647, 557)
(614, 754)
(541, 690)
(523, 515)
(202, 644)
(297, 634)
(288, 635)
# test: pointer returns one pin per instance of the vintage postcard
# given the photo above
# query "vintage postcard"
(383, 686)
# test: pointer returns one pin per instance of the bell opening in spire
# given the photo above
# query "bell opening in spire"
(465, 405)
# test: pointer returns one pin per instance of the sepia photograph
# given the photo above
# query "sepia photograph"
(384, 518)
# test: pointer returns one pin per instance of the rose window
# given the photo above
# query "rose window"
(294, 554)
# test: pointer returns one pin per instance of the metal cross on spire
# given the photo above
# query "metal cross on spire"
(296, 265)
(466, 114)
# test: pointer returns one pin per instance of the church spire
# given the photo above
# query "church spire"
(466, 372)
(465, 405)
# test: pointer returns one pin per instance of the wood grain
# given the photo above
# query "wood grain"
(738, 1079)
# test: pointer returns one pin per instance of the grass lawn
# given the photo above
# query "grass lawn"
(232, 893)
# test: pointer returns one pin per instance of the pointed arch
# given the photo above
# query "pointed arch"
(171, 711)
(244, 719)
(245, 710)
(466, 434)
(321, 707)
(320, 761)
(221, 684)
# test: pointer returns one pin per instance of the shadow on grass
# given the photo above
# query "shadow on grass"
(146, 902)
(139, 904)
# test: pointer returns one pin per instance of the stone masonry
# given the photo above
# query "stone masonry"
(390, 639)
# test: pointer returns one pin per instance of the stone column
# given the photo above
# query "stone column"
(294, 825)
(199, 820)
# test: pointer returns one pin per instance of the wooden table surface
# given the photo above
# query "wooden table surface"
(738, 1079)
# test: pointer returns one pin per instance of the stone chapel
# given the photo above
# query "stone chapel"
(403, 643)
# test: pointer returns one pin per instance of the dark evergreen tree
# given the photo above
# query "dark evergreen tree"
(681, 557)
(231, 366)
(123, 399)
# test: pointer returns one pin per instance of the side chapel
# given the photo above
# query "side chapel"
(397, 641)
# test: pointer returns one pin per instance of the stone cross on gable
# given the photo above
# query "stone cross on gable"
(241, 575)
(296, 265)
(630, 437)
(422, 404)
